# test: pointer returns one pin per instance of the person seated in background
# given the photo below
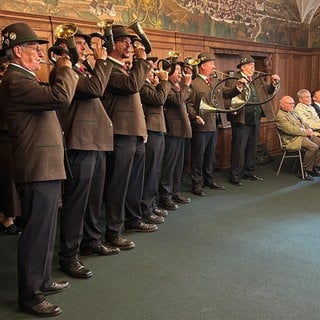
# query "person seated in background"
(295, 134)
(315, 95)
(306, 111)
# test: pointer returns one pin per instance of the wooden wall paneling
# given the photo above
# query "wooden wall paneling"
(297, 67)
(314, 74)
(223, 148)
(284, 71)
(269, 136)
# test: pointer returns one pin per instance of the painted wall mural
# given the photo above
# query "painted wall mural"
(271, 21)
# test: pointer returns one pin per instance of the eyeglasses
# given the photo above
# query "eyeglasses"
(36, 48)
(291, 103)
(126, 41)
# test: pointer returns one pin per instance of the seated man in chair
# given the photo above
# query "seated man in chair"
(306, 111)
(295, 134)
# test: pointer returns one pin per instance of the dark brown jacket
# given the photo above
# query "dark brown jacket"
(30, 111)
(86, 124)
(263, 90)
(175, 112)
(122, 99)
(201, 89)
(153, 99)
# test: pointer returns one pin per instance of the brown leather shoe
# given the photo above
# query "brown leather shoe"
(153, 219)
(160, 212)
(119, 241)
(215, 185)
(169, 204)
(42, 309)
(56, 287)
(198, 192)
(100, 250)
(236, 181)
(180, 198)
(75, 269)
(254, 177)
(142, 227)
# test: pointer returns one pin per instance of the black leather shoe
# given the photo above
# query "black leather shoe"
(42, 309)
(160, 212)
(308, 176)
(75, 269)
(254, 177)
(215, 185)
(100, 250)
(141, 227)
(153, 219)
(12, 230)
(198, 192)
(119, 241)
(56, 287)
(181, 199)
(236, 181)
(168, 204)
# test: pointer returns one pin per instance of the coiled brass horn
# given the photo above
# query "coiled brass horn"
(136, 27)
(105, 34)
(65, 33)
(170, 62)
(192, 61)
(259, 75)
(237, 102)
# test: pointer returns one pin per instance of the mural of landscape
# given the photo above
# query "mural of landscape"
(271, 21)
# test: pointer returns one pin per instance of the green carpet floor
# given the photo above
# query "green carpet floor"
(246, 253)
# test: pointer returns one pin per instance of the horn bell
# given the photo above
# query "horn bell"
(240, 100)
(206, 108)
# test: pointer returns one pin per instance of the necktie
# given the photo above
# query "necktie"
(249, 79)
(208, 80)
(81, 68)
(177, 85)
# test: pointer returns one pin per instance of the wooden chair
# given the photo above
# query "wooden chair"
(297, 154)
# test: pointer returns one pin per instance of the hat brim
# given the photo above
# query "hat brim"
(131, 36)
(86, 37)
(153, 59)
(241, 64)
(3, 51)
(206, 60)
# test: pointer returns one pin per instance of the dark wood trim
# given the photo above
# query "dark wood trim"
(297, 67)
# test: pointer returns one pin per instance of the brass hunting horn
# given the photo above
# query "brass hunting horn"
(65, 34)
(136, 27)
(237, 102)
(170, 62)
(105, 34)
(260, 75)
(191, 63)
